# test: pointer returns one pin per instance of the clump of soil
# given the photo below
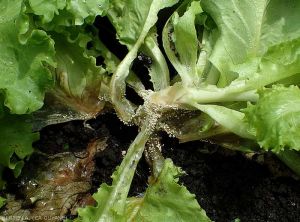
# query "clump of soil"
(226, 184)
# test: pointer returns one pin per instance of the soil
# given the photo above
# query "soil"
(227, 185)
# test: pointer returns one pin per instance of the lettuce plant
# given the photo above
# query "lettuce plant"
(237, 67)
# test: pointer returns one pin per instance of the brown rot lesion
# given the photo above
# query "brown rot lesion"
(54, 186)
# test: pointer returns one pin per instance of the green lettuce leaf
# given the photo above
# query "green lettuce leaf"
(111, 200)
(77, 89)
(165, 200)
(24, 76)
(16, 140)
(111, 62)
(77, 92)
(280, 63)
(276, 118)
(58, 15)
(77, 75)
(158, 69)
(247, 30)
(142, 18)
(181, 43)
(231, 119)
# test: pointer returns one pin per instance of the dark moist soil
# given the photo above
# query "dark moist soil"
(226, 184)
